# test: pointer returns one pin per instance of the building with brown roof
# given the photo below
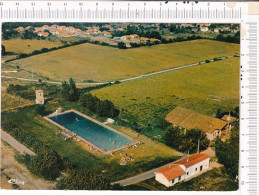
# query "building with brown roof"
(183, 169)
(228, 118)
(143, 39)
(125, 38)
(189, 119)
(204, 29)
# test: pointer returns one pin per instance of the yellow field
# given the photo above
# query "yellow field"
(100, 63)
(151, 98)
(9, 102)
(27, 46)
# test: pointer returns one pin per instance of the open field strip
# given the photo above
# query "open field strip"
(123, 80)
(148, 100)
(27, 46)
(102, 64)
(10, 102)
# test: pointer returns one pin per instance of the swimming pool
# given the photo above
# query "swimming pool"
(100, 135)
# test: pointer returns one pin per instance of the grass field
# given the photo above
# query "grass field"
(212, 180)
(9, 101)
(27, 46)
(99, 63)
(148, 155)
(148, 100)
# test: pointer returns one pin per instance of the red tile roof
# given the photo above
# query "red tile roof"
(191, 160)
(171, 172)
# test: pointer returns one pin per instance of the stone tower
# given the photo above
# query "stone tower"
(39, 97)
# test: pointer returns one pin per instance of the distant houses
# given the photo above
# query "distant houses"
(204, 29)
(183, 169)
(188, 119)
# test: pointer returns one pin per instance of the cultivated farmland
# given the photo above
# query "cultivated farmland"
(149, 99)
(100, 63)
(17, 46)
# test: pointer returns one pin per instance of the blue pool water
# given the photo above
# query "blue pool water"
(91, 131)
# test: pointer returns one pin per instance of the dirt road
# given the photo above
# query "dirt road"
(12, 169)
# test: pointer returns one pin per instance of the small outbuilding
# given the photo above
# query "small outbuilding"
(39, 97)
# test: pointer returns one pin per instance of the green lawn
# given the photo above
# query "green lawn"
(212, 180)
(99, 63)
(149, 99)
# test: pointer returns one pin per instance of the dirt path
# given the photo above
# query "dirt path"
(11, 169)
(15, 144)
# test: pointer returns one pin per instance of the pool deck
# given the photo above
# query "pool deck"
(134, 142)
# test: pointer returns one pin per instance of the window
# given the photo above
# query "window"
(187, 173)
(179, 178)
(196, 169)
(200, 168)
(172, 180)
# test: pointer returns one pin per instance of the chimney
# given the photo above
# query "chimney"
(170, 166)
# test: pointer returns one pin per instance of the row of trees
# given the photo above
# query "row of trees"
(235, 113)
(104, 108)
(83, 180)
(47, 163)
(230, 39)
(228, 151)
(69, 91)
(186, 140)
(23, 91)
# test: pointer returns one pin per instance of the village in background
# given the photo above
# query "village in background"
(131, 35)
(120, 106)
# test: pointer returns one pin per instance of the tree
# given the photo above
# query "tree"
(3, 52)
(105, 108)
(69, 91)
(228, 151)
(155, 34)
(173, 137)
(40, 109)
(172, 27)
(83, 180)
(89, 101)
(122, 45)
(186, 140)
(195, 136)
(47, 164)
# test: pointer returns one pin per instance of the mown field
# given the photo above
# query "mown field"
(212, 180)
(99, 63)
(17, 46)
(148, 100)
(147, 155)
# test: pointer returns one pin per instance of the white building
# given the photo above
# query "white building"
(217, 30)
(204, 29)
(125, 38)
(183, 169)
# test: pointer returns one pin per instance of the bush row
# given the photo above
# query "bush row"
(47, 163)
